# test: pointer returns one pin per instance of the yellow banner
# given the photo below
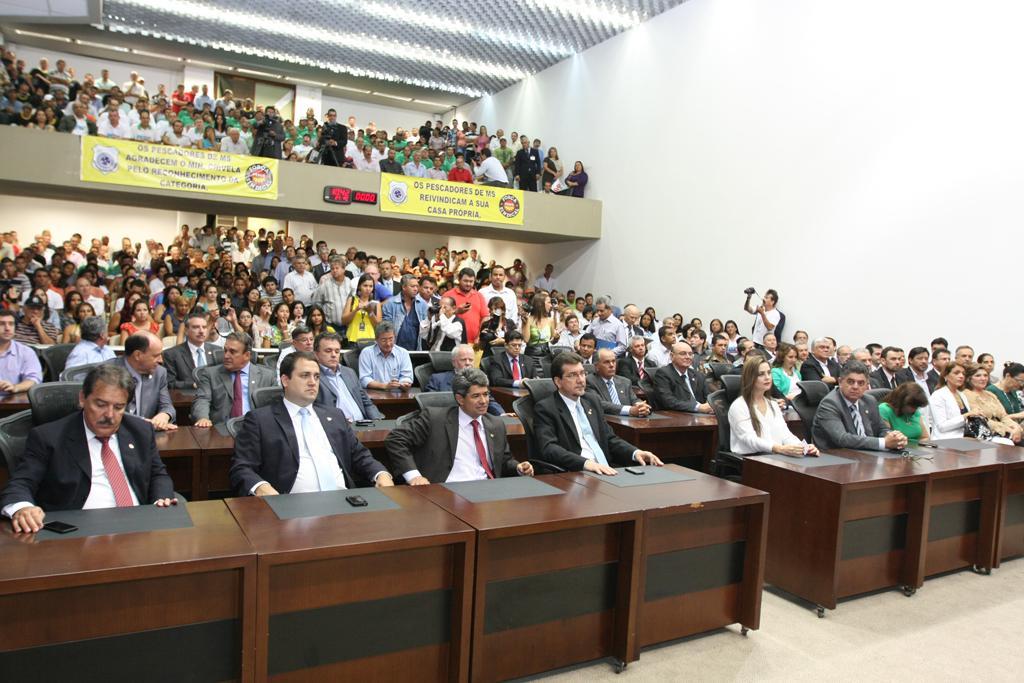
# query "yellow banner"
(143, 164)
(444, 199)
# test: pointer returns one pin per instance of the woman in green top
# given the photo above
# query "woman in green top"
(1007, 390)
(785, 374)
(901, 410)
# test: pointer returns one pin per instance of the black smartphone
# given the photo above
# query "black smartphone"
(364, 423)
(635, 470)
(356, 501)
(59, 527)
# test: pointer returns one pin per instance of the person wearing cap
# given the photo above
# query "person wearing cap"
(34, 328)
(19, 365)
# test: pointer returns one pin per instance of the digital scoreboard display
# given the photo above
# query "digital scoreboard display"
(344, 195)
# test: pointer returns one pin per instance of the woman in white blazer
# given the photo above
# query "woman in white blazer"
(948, 404)
(756, 423)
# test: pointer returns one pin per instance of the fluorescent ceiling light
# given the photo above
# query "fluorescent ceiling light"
(257, 73)
(434, 104)
(210, 65)
(89, 43)
(589, 11)
(345, 87)
(303, 80)
(47, 36)
(393, 97)
(157, 55)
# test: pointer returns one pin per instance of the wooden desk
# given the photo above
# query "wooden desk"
(556, 578)
(181, 455)
(175, 604)
(702, 557)
(369, 595)
(215, 460)
(842, 530)
(505, 396)
(182, 400)
(1010, 541)
(394, 404)
(13, 403)
(687, 439)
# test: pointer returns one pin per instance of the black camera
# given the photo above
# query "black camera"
(749, 291)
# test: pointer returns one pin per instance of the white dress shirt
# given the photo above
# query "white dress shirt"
(742, 437)
(313, 446)
(659, 355)
(121, 131)
(360, 163)
(229, 146)
(585, 450)
(506, 295)
(491, 170)
(303, 285)
(467, 465)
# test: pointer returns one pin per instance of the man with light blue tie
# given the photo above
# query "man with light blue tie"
(195, 352)
(294, 446)
(339, 386)
(570, 428)
(224, 390)
(93, 347)
(614, 391)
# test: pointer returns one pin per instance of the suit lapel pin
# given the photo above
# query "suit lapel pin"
(491, 435)
(329, 419)
(131, 445)
(589, 411)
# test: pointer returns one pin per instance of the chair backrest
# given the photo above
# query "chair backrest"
(53, 400)
(270, 360)
(441, 360)
(351, 359)
(649, 394)
(54, 357)
(402, 419)
(543, 366)
(878, 394)
(720, 404)
(14, 431)
(423, 373)
(523, 407)
(732, 387)
(539, 389)
(265, 396)
(77, 373)
(720, 370)
(485, 364)
(806, 402)
(233, 425)
(435, 399)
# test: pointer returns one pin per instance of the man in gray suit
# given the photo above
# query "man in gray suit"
(224, 390)
(461, 443)
(339, 385)
(182, 359)
(614, 391)
(848, 417)
(150, 399)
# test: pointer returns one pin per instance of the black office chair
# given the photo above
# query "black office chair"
(539, 388)
(436, 399)
(806, 402)
(726, 464)
(270, 360)
(54, 357)
(543, 367)
(523, 408)
(77, 373)
(405, 418)
(233, 425)
(423, 373)
(441, 361)
(53, 400)
(265, 396)
(720, 370)
(485, 364)
(14, 431)
(350, 359)
(647, 384)
(878, 394)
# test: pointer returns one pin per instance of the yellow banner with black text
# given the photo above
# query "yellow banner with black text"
(165, 167)
(445, 199)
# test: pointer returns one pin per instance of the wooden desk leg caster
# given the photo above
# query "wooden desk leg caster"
(984, 571)
(620, 666)
(909, 591)
(820, 611)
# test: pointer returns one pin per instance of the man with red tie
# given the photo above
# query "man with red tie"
(97, 457)
(634, 366)
(224, 390)
(460, 443)
(510, 368)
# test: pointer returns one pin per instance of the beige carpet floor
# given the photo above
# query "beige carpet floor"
(958, 627)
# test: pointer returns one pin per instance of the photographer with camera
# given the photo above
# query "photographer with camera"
(443, 330)
(766, 316)
(332, 141)
(268, 135)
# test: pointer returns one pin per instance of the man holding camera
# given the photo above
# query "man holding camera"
(443, 330)
(268, 136)
(332, 141)
(766, 317)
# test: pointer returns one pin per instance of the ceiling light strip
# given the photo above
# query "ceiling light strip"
(45, 36)
(253, 72)
(589, 11)
(156, 55)
(319, 84)
(102, 46)
(210, 65)
(393, 97)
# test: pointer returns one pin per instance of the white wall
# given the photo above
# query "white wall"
(865, 159)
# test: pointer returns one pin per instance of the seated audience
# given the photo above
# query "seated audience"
(1008, 390)
(614, 391)
(420, 450)
(34, 328)
(442, 330)
(756, 423)
(660, 351)
(890, 374)
(195, 352)
(141, 320)
(339, 385)
(224, 389)
(569, 337)
(150, 398)
(917, 370)
(383, 365)
(848, 416)
(635, 365)
(904, 408)
(677, 386)
(93, 347)
(463, 356)
(820, 366)
(948, 404)
(785, 374)
(302, 340)
(585, 350)
(940, 359)
(570, 428)
(997, 426)
(19, 365)
(511, 367)
(123, 471)
(294, 446)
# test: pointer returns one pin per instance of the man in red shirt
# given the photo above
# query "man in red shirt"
(470, 305)
(460, 174)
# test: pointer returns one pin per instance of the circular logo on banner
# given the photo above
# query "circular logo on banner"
(398, 192)
(509, 206)
(259, 177)
(105, 159)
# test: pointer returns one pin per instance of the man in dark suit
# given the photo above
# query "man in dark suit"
(463, 356)
(940, 361)
(461, 443)
(820, 365)
(677, 386)
(293, 446)
(151, 399)
(97, 457)
(526, 166)
(587, 348)
(890, 374)
(339, 385)
(917, 370)
(634, 366)
(181, 360)
(224, 390)
(570, 428)
(510, 368)
(848, 418)
(614, 391)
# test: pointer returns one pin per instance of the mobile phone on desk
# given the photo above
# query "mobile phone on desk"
(59, 527)
(635, 470)
(356, 501)
(363, 423)
(927, 444)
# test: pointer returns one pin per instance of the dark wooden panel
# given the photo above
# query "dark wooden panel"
(881, 501)
(868, 573)
(693, 570)
(428, 663)
(693, 529)
(515, 556)
(684, 615)
(952, 489)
